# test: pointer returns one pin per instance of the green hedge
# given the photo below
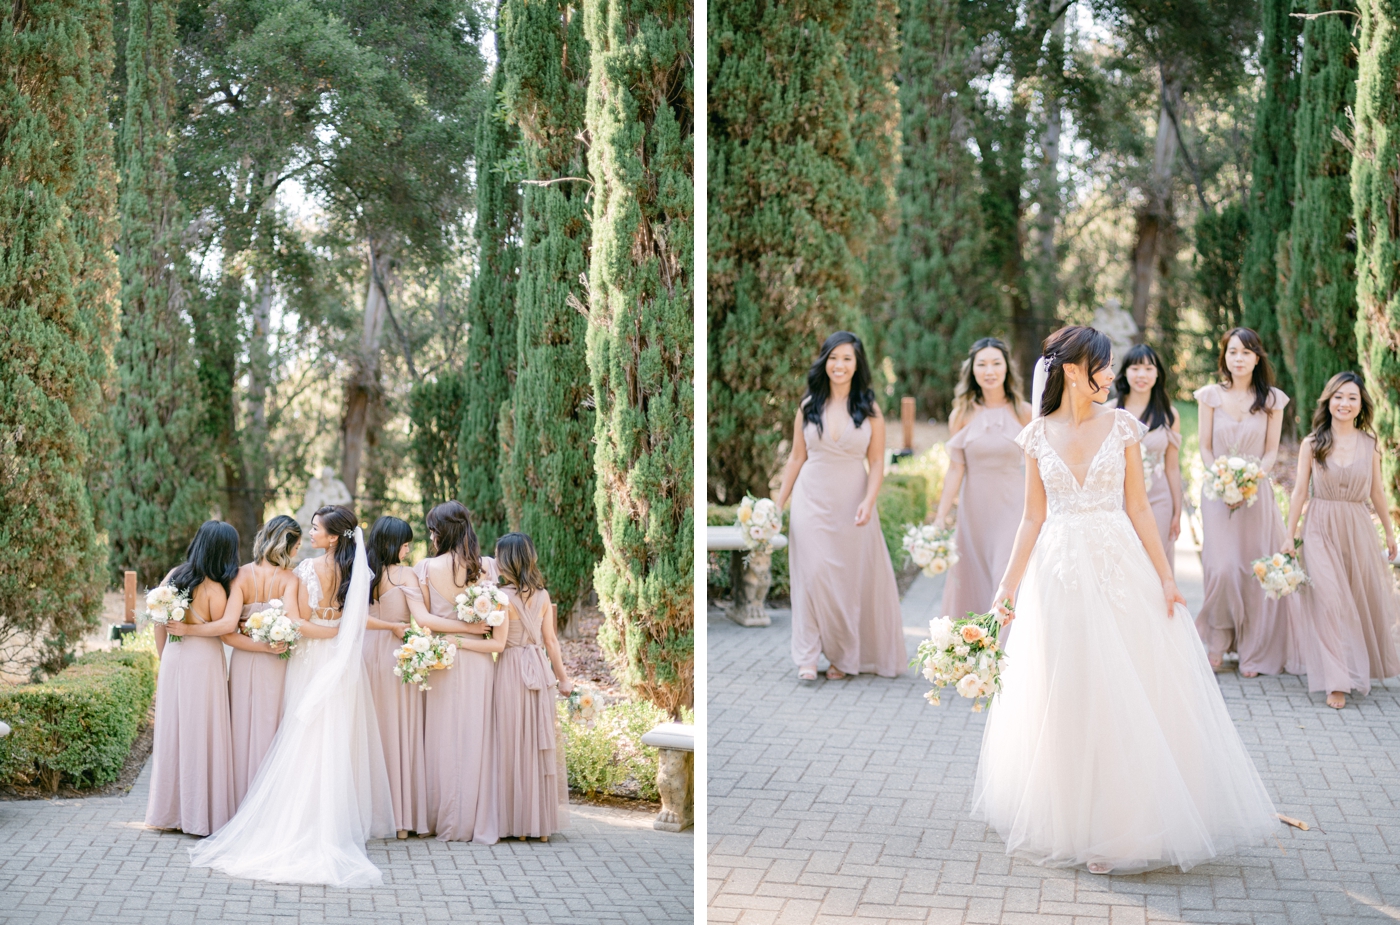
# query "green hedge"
(79, 726)
(606, 756)
(903, 499)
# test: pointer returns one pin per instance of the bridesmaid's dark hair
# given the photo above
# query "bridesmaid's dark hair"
(339, 520)
(276, 540)
(1322, 414)
(386, 538)
(450, 528)
(1158, 412)
(860, 403)
(212, 554)
(518, 564)
(1263, 379)
(1073, 344)
(968, 391)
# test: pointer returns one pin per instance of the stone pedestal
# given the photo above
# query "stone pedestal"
(675, 775)
(750, 577)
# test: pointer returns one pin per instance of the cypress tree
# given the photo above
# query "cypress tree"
(788, 222)
(490, 364)
(1270, 206)
(57, 226)
(944, 299)
(641, 121)
(1317, 308)
(1375, 195)
(435, 410)
(547, 480)
(163, 472)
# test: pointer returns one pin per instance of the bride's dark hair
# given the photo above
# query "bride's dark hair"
(212, 554)
(339, 520)
(860, 403)
(1074, 344)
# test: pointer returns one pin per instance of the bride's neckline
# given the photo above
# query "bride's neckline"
(1089, 467)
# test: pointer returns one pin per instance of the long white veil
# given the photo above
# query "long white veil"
(323, 787)
(1038, 377)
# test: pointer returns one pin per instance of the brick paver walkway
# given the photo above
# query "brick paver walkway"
(848, 801)
(92, 861)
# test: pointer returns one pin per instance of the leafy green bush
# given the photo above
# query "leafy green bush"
(607, 756)
(903, 500)
(78, 726)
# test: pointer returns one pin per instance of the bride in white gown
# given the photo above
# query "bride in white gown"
(1109, 744)
(323, 787)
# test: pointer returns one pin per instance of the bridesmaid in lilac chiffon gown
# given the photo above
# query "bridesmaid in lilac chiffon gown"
(458, 708)
(1242, 418)
(1349, 608)
(1142, 391)
(192, 755)
(533, 785)
(256, 675)
(845, 603)
(396, 598)
(986, 476)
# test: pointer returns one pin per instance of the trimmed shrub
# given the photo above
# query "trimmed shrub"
(80, 725)
(607, 756)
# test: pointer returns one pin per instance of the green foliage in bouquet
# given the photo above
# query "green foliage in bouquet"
(58, 287)
(490, 364)
(547, 480)
(1317, 308)
(641, 120)
(1375, 197)
(77, 727)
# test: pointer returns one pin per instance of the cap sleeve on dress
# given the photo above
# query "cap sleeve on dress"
(1173, 438)
(1208, 395)
(957, 444)
(1278, 399)
(1129, 428)
(1029, 437)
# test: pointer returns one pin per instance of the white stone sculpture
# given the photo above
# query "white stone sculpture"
(1117, 322)
(319, 492)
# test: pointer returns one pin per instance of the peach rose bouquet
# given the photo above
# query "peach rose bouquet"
(1234, 480)
(931, 550)
(965, 655)
(1280, 574)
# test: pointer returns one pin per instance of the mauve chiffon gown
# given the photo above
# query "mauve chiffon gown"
(533, 789)
(1236, 616)
(1342, 638)
(458, 736)
(399, 707)
(845, 603)
(192, 754)
(1159, 492)
(990, 505)
(255, 683)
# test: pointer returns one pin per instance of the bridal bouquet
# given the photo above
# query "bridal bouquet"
(272, 626)
(964, 654)
(931, 550)
(166, 605)
(760, 520)
(1280, 574)
(1234, 480)
(421, 653)
(482, 602)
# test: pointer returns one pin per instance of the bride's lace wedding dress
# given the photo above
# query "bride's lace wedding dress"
(323, 787)
(1109, 743)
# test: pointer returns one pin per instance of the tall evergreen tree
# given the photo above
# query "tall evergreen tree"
(57, 284)
(435, 409)
(1375, 194)
(945, 299)
(490, 365)
(547, 479)
(1317, 308)
(1270, 206)
(641, 118)
(162, 474)
(788, 217)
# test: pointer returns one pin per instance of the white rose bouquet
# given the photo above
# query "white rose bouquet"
(273, 626)
(421, 653)
(1234, 480)
(1154, 466)
(1280, 574)
(482, 602)
(760, 520)
(166, 605)
(931, 550)
(964, 654)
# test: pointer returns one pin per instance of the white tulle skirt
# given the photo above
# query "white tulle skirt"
(1110, 742)
(320, 792)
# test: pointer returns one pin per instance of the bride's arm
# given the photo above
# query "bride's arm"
(1032, 519)
(1140, 513)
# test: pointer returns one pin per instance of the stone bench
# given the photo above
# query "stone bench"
(675, 775)
(750, 587)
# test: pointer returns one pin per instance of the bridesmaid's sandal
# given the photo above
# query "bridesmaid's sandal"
(1337, 700)
(1250, 674)
(835, 674)
(807, 674)
(403, 833)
